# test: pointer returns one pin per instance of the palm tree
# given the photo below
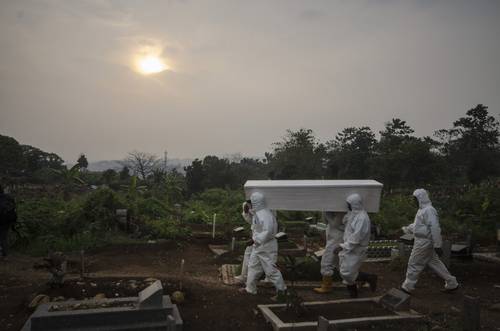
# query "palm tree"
(70, 178)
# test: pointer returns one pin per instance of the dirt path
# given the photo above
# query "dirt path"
(209, 304)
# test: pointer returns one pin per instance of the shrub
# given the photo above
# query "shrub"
(166, 229)
(395, 211)
(152, 208)
(475, 211)
(227, 205)
(100, 208)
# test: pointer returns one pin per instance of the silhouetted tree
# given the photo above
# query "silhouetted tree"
(298, 156)
(402, 159)
(142, 164)
(11, 156)
(350, 153)
(125, 173)
(194, 177)
(471, 147)
(82, 161)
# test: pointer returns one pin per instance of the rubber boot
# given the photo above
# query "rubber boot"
(353, 290)
(368, 278)
(279, 297)
(326, 285)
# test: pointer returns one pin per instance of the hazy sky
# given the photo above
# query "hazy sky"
(242, 72)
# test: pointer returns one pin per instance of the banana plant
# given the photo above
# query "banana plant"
(70, 178)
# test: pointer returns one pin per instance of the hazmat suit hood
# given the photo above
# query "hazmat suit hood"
(355, 201)
(258, 201)
(422, 197)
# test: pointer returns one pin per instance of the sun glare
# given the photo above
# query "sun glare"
(151, 65)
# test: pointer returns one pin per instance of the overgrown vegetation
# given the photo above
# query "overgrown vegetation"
(63, 208)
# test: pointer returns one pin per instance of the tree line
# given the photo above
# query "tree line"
(466, 153)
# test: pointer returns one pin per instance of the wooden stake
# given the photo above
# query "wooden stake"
(181, 276)
(213, 226)
(82, 263)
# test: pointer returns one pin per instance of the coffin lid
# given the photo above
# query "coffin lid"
(313, 183)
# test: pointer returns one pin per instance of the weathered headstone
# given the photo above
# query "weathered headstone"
(471, 314)
(395, 300)
(151, 296)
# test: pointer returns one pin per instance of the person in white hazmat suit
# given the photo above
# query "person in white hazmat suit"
(427, 245)
(264, 253)
(247, 215)
(330, 259)
(352, 252)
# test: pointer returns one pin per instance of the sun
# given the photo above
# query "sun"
(151, 65)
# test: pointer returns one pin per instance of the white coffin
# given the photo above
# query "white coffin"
(315, 195)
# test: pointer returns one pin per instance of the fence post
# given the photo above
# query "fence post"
(82, 263)
(213, 226)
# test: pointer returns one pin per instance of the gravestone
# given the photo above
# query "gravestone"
(395, 300)
(151, 296)
(150, 311)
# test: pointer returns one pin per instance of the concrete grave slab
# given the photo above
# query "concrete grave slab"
(152, 296)
(151, 312)
(279, 325)
(395, 300)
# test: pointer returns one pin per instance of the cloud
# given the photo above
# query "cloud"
(243, 72)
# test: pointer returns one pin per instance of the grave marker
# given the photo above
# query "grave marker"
(151, 296)
(395, 300)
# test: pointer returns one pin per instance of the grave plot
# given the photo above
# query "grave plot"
(340, 313)
(151, 310)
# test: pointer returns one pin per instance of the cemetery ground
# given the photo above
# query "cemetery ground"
(124, 270)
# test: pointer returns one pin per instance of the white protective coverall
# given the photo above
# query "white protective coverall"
(334, 237)
(248, 250)
(265, 248)
(427, 234)
(356, 239)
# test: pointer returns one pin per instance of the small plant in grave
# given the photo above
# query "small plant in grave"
(291, 298)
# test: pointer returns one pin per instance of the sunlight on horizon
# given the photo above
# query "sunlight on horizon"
(151, 64)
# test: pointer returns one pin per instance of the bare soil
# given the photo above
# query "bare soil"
(122, 271)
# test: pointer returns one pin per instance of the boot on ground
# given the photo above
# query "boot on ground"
(368, 278)
(326, 285)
